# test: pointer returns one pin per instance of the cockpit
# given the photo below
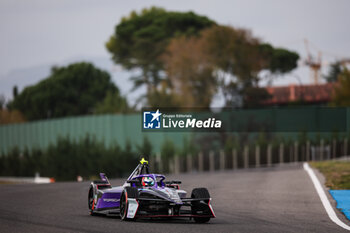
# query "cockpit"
(141, 176)
(147, 181)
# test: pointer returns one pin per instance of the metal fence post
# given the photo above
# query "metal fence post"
(222, 160)
(281, 154)
(334, 149)
(200, 161)
(189, 163)
(269, 155)
(246, 156)
(211, 161)
(257, 156)
(308, 151)
(234, 158)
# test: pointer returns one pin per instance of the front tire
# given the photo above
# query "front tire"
(129, 192)
(199, 193)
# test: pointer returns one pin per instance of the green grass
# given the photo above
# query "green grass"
(337, 173)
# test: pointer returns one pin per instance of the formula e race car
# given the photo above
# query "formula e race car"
(147, 195)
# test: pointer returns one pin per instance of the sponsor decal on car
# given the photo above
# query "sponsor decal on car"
(110, 200)
(133, 205)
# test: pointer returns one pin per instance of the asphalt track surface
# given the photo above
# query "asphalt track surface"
(278, 199)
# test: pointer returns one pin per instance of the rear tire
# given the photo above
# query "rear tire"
(91, 200)
(129, 192)
(199, 193)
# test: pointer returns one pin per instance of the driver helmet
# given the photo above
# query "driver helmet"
(147, 181)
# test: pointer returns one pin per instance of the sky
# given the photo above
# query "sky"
(37, 34)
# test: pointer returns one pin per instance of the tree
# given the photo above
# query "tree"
(141, 38)
(254, 95)
(163, 97)
(190, 72)
(68, 91)
(341, 94)
(113, 103)
(239, 55)
(235, 54)
(7, 116)
(222, 57)
(15, 91)
(2, 101)
(278, 60)
(334, 72)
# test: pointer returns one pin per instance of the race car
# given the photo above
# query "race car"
(148, 195)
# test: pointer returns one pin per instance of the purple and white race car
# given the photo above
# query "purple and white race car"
(146, 195)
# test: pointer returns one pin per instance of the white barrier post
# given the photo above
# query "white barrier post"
(211, 161)
(281, 153)
(200, 161)
(246, 156)
(334, 151)
(234, 158)
(176, 164)
(257, 156)
(189, 163)
(269, 155)
(222, 160)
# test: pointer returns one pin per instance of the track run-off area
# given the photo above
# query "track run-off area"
(275, 199)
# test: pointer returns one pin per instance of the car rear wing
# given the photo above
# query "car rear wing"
(104, 177)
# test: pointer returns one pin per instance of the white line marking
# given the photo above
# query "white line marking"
(329, 209)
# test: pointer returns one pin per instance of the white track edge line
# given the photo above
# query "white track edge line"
(327, 205)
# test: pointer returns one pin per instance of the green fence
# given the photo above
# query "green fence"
(120, 128)
(105, 128)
